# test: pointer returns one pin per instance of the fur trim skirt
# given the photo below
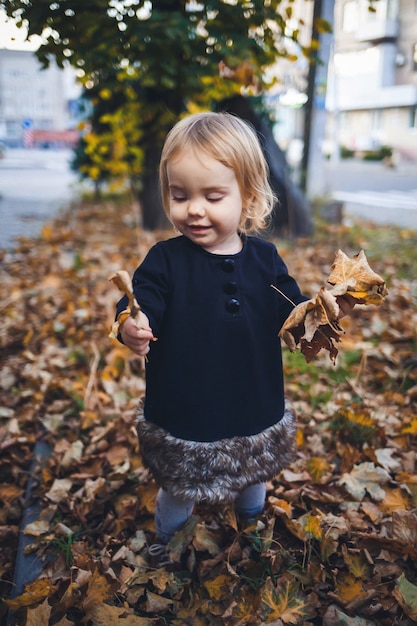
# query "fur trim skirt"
(215, 471)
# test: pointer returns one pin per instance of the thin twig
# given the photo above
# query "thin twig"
(283, 295)
(92, 377)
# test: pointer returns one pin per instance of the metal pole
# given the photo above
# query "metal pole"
(312, 170)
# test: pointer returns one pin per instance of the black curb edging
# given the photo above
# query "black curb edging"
(29, 566)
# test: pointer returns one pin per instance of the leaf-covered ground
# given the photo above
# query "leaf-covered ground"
(338, 541)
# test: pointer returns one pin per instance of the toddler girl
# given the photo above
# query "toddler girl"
(214, 425)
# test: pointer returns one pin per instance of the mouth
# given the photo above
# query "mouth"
(197, 228)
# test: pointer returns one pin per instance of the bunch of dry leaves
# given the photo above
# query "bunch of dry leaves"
(338, 541)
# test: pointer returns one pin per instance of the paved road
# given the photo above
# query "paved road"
(375, 192)
(34, 186)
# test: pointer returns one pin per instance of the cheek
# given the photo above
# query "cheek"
(174, 211)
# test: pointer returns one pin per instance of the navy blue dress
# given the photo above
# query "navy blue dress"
(215, 374)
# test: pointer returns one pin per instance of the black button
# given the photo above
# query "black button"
(230, 288)
(228, 265)
(232, 306)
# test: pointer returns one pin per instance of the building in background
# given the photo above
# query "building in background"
(372, 87)
(36, 105)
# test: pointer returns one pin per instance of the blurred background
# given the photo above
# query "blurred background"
(88, 94)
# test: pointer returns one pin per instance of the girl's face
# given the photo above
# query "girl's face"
(205, 202)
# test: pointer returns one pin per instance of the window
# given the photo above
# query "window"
(413, 117)
(414, 57)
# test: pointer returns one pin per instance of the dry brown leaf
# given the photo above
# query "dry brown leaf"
(354, 276)
(157, 604)
(123, 281)
(404, 527)
(34, 592)
(348, 589)
(39, 615)
(219, 587)
(406, 594)
(365, 478)
(97, 592)
(314, 324)
(283, 603)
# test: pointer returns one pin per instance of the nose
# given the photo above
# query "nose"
(196, 207)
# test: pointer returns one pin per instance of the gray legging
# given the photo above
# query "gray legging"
(171, 513)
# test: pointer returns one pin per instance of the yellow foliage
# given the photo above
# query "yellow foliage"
(395, 499)
(411, 429)
(105, 94)
(348, 588)
(219, 586)
(97, 592)
(361, 418)
(281, 505)
(299, 438)
(357, 564)
(34, 592)
(317, 467)
(312, 526)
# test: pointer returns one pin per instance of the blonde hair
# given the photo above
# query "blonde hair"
(234, 143)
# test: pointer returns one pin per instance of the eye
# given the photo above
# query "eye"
(215, 198)
(178, 198)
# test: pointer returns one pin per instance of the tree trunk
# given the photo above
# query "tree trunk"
(292, 215)
(153, 216)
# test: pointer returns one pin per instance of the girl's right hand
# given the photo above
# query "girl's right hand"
(135, 338)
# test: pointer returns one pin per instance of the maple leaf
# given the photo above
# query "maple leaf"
(39, 615)
(365, 478)
(312, 526)
(219, 587)
(348, 588)
(318, 467)
(314, 324)
(283, 602)
(34, 592)
(395, 499)
(355, 278)
(97, 591)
